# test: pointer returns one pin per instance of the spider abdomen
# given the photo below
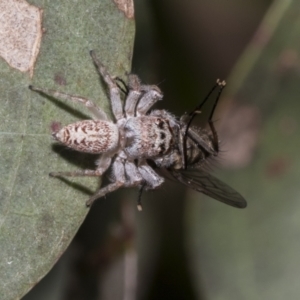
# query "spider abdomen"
(89, 136)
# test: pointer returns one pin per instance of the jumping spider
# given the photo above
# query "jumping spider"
(141, 141)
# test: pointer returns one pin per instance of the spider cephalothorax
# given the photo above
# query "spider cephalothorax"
(140, 140)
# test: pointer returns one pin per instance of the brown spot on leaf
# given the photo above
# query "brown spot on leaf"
(60, 79)
(55, 127)
(126, 6)
(20, 34)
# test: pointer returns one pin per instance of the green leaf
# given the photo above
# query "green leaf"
(40, 215)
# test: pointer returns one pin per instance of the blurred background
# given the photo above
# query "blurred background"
(185, 245)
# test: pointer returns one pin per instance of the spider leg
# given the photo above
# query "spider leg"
(132, 174)
(102, 163)
(133, 95)
(151, 95)
(76, 173)
(119, 175)
(151, 178)
(97, 112)
(114, 90)
(143, 176)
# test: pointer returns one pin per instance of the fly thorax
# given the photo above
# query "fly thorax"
(89, 136)
(193, 153)
(198, 152)
(172, 160)
(147, 137)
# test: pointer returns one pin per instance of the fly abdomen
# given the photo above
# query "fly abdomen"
(89, 136)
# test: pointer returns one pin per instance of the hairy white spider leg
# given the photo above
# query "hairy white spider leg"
(76, 173)
(152, 94)
(114, 91)
(98, 113)
(181, 132)
(102, 164)
(152, 179)
(132, 174)
(133, 95)
(118, 171)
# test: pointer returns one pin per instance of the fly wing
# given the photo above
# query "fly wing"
(209, 185)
